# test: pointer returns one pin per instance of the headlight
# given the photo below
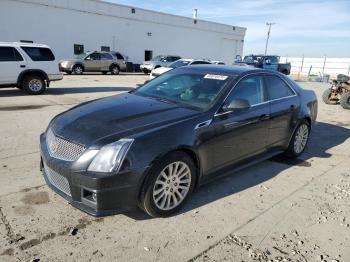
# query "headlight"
(64, 64)
(110, 157)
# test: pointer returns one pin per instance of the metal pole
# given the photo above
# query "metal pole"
(324, 64)
(268, 35)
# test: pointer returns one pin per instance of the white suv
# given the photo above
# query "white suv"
(28, 66)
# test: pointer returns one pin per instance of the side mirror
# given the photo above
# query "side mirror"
(236, 105)
(238, 58)
(267, 62)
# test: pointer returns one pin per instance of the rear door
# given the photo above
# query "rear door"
(242, 134)
(11, 65)
(106, 61)
(284, 104)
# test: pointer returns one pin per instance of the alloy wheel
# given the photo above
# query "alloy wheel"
(172, 185)
(35, 85)
(301, 138)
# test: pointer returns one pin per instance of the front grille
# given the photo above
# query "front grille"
(63, 149)
(57, 180)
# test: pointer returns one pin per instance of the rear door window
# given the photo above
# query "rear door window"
(9, 54)
(106, 57)
(277, 88)
(39, 53)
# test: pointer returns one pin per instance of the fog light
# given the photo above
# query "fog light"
(89, 195)
(94, 197)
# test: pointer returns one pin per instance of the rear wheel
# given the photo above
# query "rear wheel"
(115, 70)
(299, 140)
(326, 97)
(78, 69)
(345, 100)
(170, 183)
(34, 84)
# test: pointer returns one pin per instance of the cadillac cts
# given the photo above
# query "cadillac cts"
(153, 146)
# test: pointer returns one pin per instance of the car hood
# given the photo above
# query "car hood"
(106, 120)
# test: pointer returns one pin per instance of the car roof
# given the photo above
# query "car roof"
(22, 44)
(222, 69)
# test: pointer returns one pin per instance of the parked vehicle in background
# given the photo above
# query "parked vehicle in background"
(339, 92)
(268, 62)
(28, 66)
(156, 144)
(217, 62)
(158, 61)
(104, 62)
(179, 63)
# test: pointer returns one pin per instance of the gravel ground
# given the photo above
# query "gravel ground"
(277, 210)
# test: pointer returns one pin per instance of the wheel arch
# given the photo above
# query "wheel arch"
(78, 64)
(27, 72)
(184, 149)
(113, 65)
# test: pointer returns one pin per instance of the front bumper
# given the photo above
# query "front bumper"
(114, 194)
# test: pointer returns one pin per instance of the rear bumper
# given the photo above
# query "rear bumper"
(113, 194)
(55, 77)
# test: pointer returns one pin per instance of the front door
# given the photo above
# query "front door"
(92, 62)
(242, 134)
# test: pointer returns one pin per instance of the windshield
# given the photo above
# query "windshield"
(157, 58)
(195, 90)
(179, 63)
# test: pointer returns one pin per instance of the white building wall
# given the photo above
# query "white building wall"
(62, 23)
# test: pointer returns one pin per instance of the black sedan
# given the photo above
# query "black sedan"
(153, 146)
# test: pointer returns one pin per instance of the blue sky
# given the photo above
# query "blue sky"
(311, 27)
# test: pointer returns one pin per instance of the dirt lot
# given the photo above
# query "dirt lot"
(277, 210)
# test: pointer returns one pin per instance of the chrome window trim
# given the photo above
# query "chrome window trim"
(265, 102)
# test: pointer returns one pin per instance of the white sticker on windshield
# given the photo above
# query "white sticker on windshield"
(215, 77)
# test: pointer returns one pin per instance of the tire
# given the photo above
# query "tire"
(34, 84)
(326, 97)
(78, 70)
(115, 70)
(169, 197)
(299, 140)
(345, 100)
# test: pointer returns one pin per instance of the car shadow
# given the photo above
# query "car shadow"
(324, 137)
(12, 92)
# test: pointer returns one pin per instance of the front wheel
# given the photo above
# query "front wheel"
(78, 70)
(34, 84)
(170, 183)
(299, 140)
(345, 100)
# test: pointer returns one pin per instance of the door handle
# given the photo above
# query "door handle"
(292, 107)
(264, 117)
(22, 66)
